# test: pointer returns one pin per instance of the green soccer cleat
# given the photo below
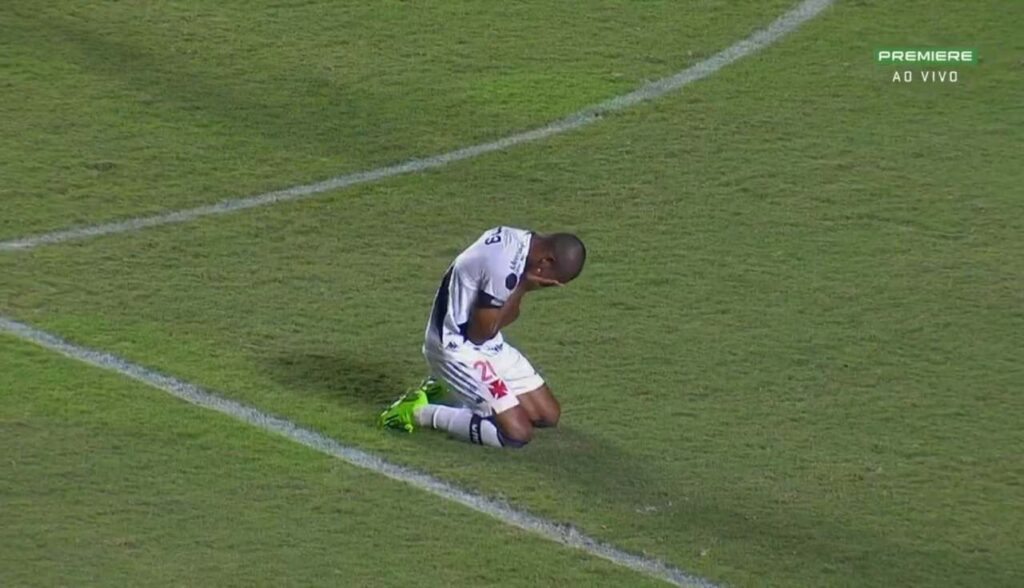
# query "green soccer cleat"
(435, 390)
(399, 415)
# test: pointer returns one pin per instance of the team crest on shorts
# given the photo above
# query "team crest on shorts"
(498, 389)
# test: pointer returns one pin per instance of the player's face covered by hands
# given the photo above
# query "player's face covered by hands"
(542, 275)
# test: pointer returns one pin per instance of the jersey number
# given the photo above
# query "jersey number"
(486, 371)
(496, 387)
(495, 238)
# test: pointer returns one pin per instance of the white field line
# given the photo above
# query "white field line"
(783, 25)
(505, 513)
(564, 534)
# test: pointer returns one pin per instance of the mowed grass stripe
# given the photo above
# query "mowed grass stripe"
(153, 492)
(138, 109)
(563, 534)
(782, 26)
(793, 360)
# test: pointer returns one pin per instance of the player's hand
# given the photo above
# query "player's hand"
(532, 281)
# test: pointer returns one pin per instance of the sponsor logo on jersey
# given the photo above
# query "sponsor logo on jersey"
(518, 257)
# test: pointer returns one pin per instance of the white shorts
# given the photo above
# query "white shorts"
(487, 380)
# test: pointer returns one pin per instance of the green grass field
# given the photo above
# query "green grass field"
(794, 359)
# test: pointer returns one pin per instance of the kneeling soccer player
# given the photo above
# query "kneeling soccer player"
(503, 398)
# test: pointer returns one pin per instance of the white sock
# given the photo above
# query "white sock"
(461, 423)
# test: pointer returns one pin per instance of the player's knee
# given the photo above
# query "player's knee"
(551, 419)
(547, 420)
(515, 434)
(512, 443)
(549, 414)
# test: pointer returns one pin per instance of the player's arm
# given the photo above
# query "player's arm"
(487, 319)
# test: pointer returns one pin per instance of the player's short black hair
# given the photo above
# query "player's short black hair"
(570, 254)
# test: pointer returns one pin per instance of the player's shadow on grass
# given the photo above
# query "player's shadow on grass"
(364, 382)
(567, 453)
(605, 475)
(596, 466)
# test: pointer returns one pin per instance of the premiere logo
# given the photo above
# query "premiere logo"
(930, 65)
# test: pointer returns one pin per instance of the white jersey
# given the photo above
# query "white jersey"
(483, 275)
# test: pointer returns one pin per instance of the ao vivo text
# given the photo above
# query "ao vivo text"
(925, 75)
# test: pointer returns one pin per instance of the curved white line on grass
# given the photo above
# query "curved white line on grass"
(505, 513)
(783, 25)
